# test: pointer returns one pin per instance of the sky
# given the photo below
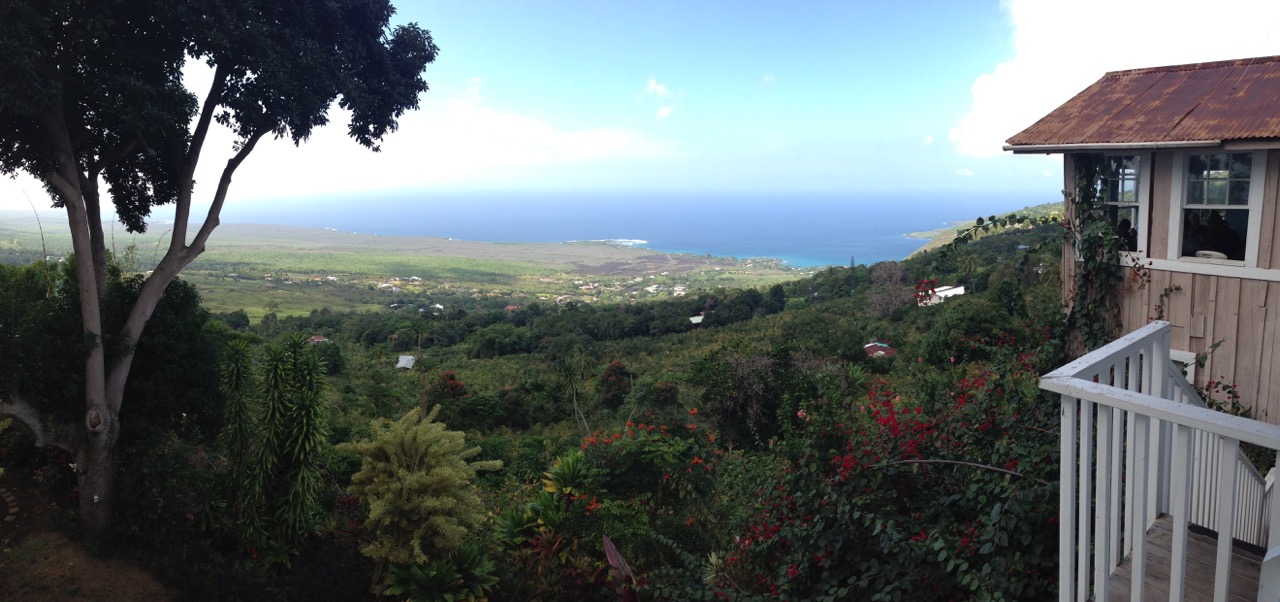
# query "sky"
(840, 96)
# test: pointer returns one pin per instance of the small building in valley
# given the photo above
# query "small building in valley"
(940, 294)
(878, 348)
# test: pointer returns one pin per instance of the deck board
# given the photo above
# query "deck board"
(1201, 554)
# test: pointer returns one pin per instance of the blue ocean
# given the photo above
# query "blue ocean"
(802, 229)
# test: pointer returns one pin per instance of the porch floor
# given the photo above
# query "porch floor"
(1201, 559)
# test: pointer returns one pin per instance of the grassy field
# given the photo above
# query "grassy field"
(295, 270)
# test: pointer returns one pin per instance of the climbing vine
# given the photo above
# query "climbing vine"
(1092, 318)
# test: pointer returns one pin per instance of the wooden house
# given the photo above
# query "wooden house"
(1192, 161)
(1158, 501)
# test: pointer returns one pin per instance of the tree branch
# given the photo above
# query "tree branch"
(114, 155)
(19, 408)
(174, 260)
(182, 208)
(971, 465)
(211, 219)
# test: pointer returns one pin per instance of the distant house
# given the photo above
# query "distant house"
(878, 348)
(406, 362)
(696, 320)
(940, 294)
(1191, 162)
(318, 339)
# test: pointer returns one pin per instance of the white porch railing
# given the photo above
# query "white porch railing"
(1137, 442)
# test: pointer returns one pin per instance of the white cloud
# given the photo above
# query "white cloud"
(667, 99)
(455, 142)
(928, 139)
(964, 171)
(449, 142)
(1062, 47)
(767, 80)
(657, 89)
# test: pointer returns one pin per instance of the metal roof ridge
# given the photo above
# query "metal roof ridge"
(1194, 66)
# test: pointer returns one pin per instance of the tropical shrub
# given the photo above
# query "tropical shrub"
(282, 507)
(418, 481)
(901, 500)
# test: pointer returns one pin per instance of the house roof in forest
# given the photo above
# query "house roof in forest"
(1180, 105)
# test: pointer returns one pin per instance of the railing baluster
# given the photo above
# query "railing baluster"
(1067, 586)
(1180, 478)
(1086, 496)
(1129, 530)
(1102, 560)
(1226, 515)
(1117, 464)
(1138, 574)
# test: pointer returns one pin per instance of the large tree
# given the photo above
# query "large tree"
(91, 94)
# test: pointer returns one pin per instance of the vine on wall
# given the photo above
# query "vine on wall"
(1092, 317)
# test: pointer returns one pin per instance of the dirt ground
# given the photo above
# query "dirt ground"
(39, 561)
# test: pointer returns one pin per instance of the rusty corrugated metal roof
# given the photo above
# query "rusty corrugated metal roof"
(1220, 101)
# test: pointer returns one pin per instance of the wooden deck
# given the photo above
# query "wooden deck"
(1201, 558)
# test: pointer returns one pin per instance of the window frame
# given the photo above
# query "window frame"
(1178, 203)
(1142, 203)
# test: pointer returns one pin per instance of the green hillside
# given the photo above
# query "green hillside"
(745, 409)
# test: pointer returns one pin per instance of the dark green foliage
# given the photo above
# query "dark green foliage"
(282, 505)
(967, 326)
(240, 432)
(465, 576)
(739, 394)
(615, 384)
(499, 339)
(175, 364)
(331, 356)
(236, 320)
(40, 354)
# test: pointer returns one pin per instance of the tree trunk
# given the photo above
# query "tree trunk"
(97, 466)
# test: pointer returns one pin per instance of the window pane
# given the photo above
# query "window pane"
(1215, 233)
(1239, 192)
(1217, 165)
(1195, 192)
(1113, 191)
(1215, 192)
(1128, 191)
(1196, 167)
(1124, 219)
(1241, 164)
